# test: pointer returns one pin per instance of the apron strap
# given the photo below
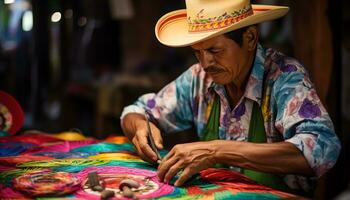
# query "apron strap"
(257, 134)
(211, 131)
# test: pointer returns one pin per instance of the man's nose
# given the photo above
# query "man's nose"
(207, 59)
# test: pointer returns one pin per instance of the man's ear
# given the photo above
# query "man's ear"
(250, 38)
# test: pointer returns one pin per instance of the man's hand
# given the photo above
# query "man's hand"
(135, 127)
(142, 145)
(189, 157)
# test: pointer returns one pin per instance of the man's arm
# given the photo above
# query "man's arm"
(276, 158)
(170, 108)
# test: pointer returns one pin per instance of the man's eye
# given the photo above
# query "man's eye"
(214, 51)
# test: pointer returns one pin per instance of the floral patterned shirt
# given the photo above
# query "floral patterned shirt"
(292, 111)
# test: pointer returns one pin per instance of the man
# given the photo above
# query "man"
(255, 110)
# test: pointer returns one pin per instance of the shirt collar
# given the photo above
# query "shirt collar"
(254, 86)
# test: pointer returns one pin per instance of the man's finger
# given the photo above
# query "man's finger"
(139, 151)
(186, 174)
(164, 167)
(174, 169)
(145, 148)
(157, 136)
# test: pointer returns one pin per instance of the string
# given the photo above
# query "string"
(14, 160)
(4, 133)
(6, 177)
(63, 162)
(9, 192)
(63, 155)
(13, 148)
(126, 163)
(46, 184)
(236, 182)
(31, 137)
(116, 156)
(70, 136)
(105, 147)
(117, 139)
(246, 196)
(64, 146)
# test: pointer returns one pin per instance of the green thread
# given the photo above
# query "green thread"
(64, 162)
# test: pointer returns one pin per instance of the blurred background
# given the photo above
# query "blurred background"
(76, 64)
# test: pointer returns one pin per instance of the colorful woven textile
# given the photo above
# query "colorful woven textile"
(50, 167)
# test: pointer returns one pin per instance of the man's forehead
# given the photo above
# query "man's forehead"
(209, 43)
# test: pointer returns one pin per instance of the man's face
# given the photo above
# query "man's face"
(222, 58)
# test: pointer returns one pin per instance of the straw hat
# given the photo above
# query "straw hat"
(204, 19)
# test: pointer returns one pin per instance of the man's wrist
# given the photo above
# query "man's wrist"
(225, 151)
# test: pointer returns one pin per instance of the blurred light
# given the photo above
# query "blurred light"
(68, 14)
(9, 1)
(27, 21)
(56, 17)
(82, 21)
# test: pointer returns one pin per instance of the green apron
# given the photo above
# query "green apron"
(256, 135)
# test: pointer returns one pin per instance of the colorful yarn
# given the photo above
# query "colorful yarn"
(5, 168)
(114, 162)
(112, 175)
(237, 183)
(133, 164)
(116, 156)
(14, 160)
(47, 184)
(250, 196)
(70, 136)
(64, 146)
(33, 137)
(105, 147)
(70, 169)
(225, 175)
(126, 163)
(3, 133)
(63, 162)
(6, 177)
(9, 193)
(63, 155)
(117, 139)
(13, 148)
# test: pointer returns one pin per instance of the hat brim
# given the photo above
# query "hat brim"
(172, 28)
(15, 111)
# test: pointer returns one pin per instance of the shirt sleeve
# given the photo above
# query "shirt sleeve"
(170, 108)
(303, 120)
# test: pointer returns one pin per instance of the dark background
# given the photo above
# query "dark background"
(76, 64)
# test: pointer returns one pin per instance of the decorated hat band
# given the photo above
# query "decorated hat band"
(206, 24)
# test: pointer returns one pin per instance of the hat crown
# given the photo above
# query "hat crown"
(206, 14)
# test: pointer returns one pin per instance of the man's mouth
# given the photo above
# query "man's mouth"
(213, 70)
